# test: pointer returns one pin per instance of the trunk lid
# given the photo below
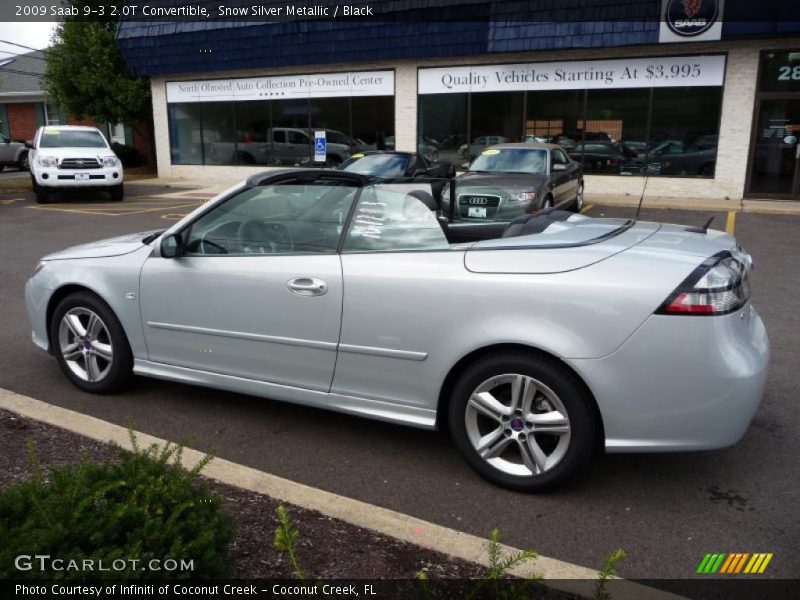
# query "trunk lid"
(582, 241)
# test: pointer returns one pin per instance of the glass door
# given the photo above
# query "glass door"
(775, 167)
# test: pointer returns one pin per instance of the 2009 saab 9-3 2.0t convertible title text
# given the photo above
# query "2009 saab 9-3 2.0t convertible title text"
(327, 289)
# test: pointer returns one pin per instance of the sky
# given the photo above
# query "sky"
(35, 35)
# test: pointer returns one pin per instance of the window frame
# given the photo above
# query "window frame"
(303, 178)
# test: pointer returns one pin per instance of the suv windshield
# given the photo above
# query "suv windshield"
(60, 138)
(511, 160)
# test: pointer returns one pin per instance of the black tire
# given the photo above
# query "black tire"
(707, 170)
(2, 167)
(578, 203)
(547, 202)
(117, 192)
(22, 163)
(578, 445)
(42, 194)
(120, 367)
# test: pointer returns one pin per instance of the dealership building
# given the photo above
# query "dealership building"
(703, 96)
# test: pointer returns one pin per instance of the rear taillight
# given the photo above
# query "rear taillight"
(717, 287)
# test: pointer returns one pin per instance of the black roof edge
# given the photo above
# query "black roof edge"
(305, 176)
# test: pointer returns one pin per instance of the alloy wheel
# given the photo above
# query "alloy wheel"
(579, 200)
(85, 344)
(517, 424)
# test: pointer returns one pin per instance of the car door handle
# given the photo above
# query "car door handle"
(307, 286)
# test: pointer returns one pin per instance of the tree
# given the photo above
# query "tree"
(86, 73)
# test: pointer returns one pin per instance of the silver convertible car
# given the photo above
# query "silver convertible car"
(565, 335)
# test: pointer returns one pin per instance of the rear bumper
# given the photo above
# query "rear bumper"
(681, 383)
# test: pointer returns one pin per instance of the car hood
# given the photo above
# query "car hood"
(69, 152)
(115, 246)
(512, 182)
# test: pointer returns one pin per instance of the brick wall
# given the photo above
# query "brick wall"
(21, 120)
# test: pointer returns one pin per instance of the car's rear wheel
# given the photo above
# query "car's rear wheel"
(577, 206)
(117, 192)
(23, 164)
(522, 422)
(90, 344)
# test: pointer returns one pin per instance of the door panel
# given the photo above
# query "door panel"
(237, 315)
(776, 152)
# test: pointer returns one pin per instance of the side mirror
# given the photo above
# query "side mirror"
(559, 167)
(29, 144)
(172, 246)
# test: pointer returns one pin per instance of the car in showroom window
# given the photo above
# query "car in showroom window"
(326, 289)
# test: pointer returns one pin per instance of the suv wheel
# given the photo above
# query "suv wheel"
(117, 192)
(522, 422)
(42, 194)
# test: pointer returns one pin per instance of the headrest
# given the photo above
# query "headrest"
(426, 199)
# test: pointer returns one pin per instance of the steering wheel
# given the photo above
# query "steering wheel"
(257, 237)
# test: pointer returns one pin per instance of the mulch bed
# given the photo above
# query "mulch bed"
(327, 548)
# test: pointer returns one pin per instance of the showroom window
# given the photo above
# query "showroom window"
(655, 116)
(443, 125)
(271, 120)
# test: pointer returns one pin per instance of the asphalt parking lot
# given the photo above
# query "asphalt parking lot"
(666, 511)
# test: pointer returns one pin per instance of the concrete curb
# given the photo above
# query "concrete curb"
(565, 576)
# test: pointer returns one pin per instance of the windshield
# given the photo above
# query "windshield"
(511, 160)
(379, 165)
(60, 138)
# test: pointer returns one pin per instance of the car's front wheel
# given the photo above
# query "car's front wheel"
(577, 206)
(23, 163)
(522, 421)
(42, 194)
(90, 344)
(117, 192)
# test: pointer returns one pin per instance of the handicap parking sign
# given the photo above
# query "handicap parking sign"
(320, 147)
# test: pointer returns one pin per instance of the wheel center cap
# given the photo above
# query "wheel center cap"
(87, 344)
(517, 424)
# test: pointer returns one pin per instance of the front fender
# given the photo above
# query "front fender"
(114, 279)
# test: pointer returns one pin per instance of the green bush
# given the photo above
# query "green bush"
(144, 505)
(128, 155)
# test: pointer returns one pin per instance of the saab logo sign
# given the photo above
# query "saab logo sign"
(690, 20)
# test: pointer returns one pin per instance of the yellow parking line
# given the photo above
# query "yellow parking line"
(111, 212)
(587, 208)
(10, 200)
(731, 224)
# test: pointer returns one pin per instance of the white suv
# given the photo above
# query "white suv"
(72, 156)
